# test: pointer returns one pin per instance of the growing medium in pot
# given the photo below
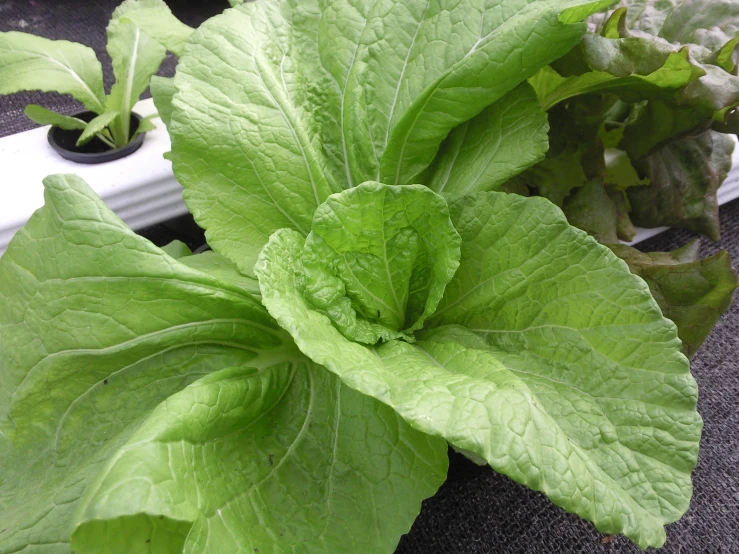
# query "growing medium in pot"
(372, 298)
(65, 142)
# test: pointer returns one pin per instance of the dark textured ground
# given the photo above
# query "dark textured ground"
(477, 511)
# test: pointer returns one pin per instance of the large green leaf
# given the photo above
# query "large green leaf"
(98, 326)
(28, 62)
(286, 459)
(136, 57)
(685, 176)
(253, 111)
(155, 19)
(419, 87)
(378, 257)
(692, 292)
(555, 327)
(312, 97)
(484, 152)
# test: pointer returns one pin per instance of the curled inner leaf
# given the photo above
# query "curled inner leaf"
(378, 258)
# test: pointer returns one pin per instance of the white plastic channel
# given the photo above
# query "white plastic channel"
(140, 188)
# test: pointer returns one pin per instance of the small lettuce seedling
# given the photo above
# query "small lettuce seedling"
(139, 34)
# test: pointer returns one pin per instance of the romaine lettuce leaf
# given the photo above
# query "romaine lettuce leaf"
(485, 152)
(283, 459)
(312, 97)
(539, 326)
(98, 326)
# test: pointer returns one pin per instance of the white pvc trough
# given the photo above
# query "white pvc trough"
(140, 188)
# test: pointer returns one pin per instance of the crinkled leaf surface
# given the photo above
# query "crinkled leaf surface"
(136, 57)
(269, 173)
(710, 23)
(378, 258)
(28, 62)
(416, 96)
(692, 292)
(312, 97)
(156, 19)
(679, 29)
(553, 327)
(98, 326)
(287, 459)
(484, 152)
(685, 175)
(656, 123)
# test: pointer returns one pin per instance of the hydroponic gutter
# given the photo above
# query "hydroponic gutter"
(141, 188)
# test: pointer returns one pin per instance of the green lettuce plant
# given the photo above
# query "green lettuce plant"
(372, 298)
(641, 114)
(139, 34)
